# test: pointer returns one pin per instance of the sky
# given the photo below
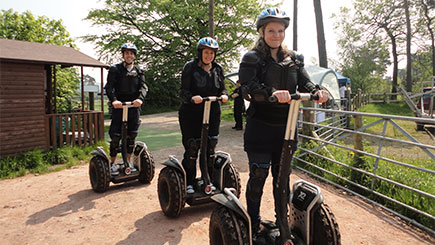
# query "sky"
(72, 13)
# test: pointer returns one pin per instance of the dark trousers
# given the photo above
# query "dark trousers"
(116, 128)
(239, 108)
(259, 164)
(191, 125)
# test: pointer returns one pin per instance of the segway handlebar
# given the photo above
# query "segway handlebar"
(297, 96)
(127, 103)
(211, 98)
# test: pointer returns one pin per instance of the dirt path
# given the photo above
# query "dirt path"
(61, 208)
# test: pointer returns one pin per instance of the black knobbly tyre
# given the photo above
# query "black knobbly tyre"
(147, 167)
(99, 174)
(172, 191)
(232, 179)
(325, 227)
(227, 228)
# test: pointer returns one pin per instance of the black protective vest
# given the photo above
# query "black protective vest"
(282, 75)
(126, 84)
(262, 76)
(205, 83)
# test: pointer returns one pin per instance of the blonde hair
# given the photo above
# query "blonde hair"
(264, 50)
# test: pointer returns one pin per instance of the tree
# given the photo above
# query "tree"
(166, 33)
(382, 20)
(89, 80)
(408, 47)
(24, 26)
(363, 61)
(426, 19)
(295, 24)
(321, 43)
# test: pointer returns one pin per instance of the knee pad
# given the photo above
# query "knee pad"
(211, 147)
(260, 170)
(192, 151)
(114, 145)
(258, 175)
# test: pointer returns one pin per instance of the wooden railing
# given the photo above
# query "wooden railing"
(359, 99)
(82, 128)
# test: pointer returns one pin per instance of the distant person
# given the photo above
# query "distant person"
(269, 69)
(125, 83)
(239, 107)
(343, 96)
(201, 77)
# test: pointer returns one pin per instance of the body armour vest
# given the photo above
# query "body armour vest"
(282, 75)
(205, 83)
(128, 83)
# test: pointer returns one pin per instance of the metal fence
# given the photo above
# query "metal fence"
(367, 148)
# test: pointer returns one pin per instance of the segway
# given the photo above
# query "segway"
(172, 178)
(141, 167)
(311, 221)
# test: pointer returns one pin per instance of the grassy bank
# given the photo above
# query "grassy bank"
(411, 155)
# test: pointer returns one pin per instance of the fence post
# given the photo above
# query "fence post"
(308, 116)
(358, 161)
(359, 98)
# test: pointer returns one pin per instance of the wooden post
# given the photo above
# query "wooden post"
(82, 89)
(102, 91)
(49, 89)
(54, 89)
(358, 161)
(358, 138)
(91, 101)
(308, 116)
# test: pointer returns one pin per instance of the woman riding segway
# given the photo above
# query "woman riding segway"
(201, 77)
(202, 88)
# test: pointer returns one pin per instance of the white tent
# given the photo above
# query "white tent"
(327, 80)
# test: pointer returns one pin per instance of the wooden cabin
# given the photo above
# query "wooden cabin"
(28, 117)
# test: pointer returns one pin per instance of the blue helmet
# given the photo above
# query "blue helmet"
(272, 15)
(207, 42)
(129, 46)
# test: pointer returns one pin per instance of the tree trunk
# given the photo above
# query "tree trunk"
(321, 43)
(430, 29)
(395, 65)
(408, 48)
(211, 17)
(295, 24)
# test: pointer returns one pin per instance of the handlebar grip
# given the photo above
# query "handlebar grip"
(314, 97)
(272, 99)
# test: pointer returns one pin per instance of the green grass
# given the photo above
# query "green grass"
(40, 162)
(411, 177)
(159, 139)
(155, 139)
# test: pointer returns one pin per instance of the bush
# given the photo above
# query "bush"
(37, 161)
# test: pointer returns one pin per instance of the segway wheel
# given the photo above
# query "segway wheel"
(99, 174)
(172, 192)
(227, 228)
(232, 179)
(325, 227)
(147, 167)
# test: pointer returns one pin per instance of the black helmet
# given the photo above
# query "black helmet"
(272, 15)
(129, 46)
(207, 42)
